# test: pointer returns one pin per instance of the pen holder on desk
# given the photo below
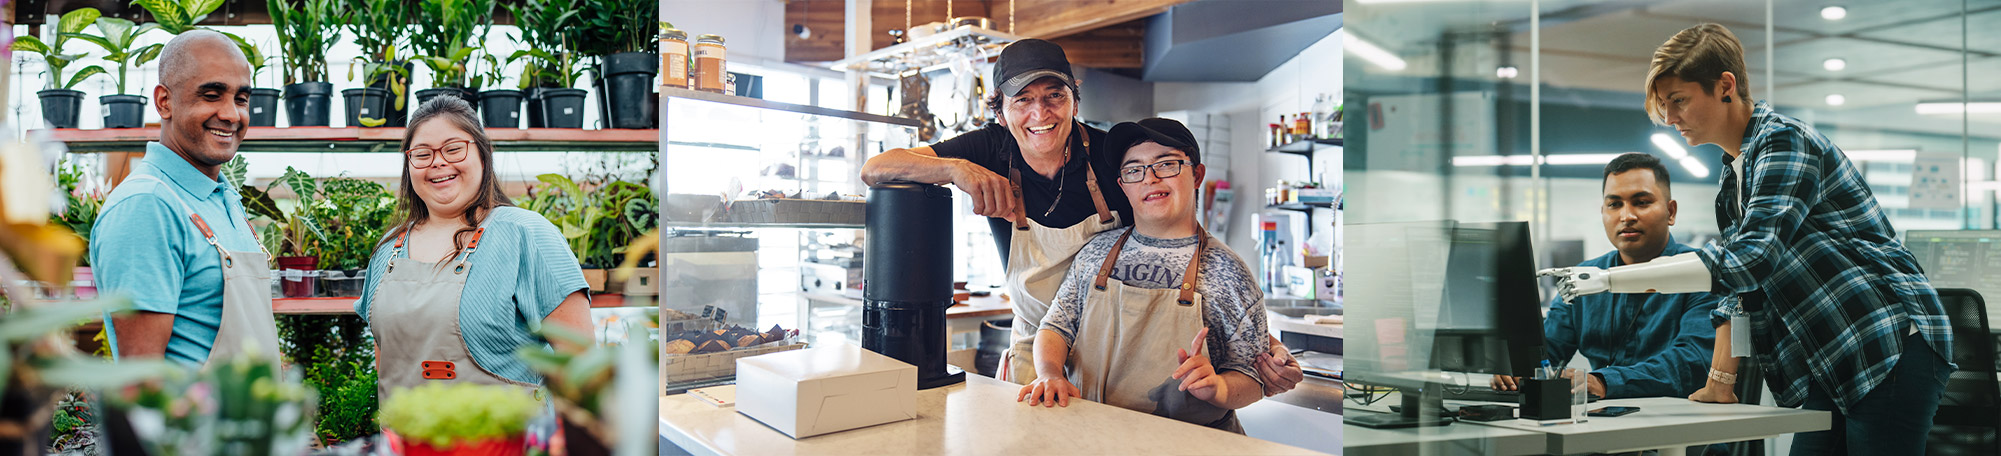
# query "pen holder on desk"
(1546, 399)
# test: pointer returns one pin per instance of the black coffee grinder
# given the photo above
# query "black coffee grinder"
(908, 267)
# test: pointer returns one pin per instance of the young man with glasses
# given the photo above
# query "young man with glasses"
(1158, 317)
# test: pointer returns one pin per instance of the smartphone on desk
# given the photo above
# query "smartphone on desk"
(1613, 411)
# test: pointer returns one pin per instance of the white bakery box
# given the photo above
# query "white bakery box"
(832, 388)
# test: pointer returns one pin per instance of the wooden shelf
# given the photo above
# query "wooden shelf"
(345, 306)
(355, 139)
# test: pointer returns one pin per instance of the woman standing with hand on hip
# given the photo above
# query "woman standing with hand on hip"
(460, 284)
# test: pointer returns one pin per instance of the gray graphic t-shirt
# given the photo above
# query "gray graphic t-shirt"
(1233, 309)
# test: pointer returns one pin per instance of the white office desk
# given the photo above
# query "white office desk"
(1452, 439)
(979, 416)
(1663, 423)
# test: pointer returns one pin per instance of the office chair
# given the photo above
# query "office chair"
(1969, 415)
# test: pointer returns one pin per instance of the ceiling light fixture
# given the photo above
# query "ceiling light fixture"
(1833, 13)
(1524, 160)
(1507, 72)
(1694, 167)
(1954, 107)
(1834, 64)
(1368, 51)
(1668, 145)
(1835, 99)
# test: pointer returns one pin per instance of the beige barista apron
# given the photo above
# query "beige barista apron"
(1123, 353)
(414, 314)
(246, 295)
(1037, 259)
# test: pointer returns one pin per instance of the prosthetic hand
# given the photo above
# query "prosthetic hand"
(1682, 273)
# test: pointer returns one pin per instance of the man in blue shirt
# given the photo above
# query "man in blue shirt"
(173, 230)
(1639, 344)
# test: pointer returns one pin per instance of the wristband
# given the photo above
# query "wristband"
(1722, 377)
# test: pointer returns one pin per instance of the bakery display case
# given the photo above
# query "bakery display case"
(762, 209)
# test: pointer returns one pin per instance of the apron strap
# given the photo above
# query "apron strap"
(1188, 280)
(1105, 270)
(463, 257)
(1090, 183)
(202, 225)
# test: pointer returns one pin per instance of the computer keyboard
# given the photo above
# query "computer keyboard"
(1481, 393)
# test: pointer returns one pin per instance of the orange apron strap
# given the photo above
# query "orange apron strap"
(1091, 177)
(1194, 267)
(1105, 271)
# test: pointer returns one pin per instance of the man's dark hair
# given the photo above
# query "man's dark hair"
(1636, 160)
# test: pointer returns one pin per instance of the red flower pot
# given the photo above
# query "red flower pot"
(510, 446)
(301, 287)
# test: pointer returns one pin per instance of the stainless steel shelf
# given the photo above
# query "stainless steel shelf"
(667, 93)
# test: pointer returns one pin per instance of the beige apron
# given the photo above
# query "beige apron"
(1123, 353)
(1037, 259)
(414, 314)
(246, 295)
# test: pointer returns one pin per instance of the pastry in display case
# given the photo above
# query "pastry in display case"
(762, 207)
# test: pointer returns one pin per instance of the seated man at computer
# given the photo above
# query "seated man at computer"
(1160, 317)
(1639, 344)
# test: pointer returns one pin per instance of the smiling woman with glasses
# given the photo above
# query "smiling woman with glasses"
(455, 287)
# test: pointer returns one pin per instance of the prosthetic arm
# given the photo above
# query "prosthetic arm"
(1682, 273)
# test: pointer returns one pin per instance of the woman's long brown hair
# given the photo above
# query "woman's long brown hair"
(458, 114)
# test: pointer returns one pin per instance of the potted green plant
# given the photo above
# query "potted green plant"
(293, 236)
(448, 33)
(117, 37)
(549, 34)
(459, 418)
(499, 107)
(379, 27)
(586, 387)
(306, 28)
(354, 214)
(263, 101)
(60, 101)
(574, 212)
(621, 34)
(83, 202)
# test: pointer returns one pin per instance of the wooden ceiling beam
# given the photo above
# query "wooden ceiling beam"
(1050, 19)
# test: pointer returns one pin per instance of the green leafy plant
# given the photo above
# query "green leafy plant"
(252, 54)
(39, 364)
(117, 36)
(549, 35)
(448, 33)
(612, 26)
(243, 405)
(84, 199)
(306, 29)
(379, 27)
(445, 415)
(354, 214)
(347, 395)
(178, 16)
(71, 23)
(290, 234)
(73, 430)
(584, 385)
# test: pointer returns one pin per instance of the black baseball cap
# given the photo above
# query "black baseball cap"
(1166, 132)
(1023, 62)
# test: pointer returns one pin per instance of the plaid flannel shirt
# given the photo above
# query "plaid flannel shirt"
(1815, 266)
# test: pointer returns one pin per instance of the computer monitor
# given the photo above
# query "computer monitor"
(1435, 298)
(1961, 259)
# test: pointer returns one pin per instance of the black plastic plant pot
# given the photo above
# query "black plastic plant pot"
(366, 102)
(532, 109)
(627, 82)
(123, 111)
(309, 104)
(562, 108)
(469, 96)
(61, 106)
(398, 117)
(264, 107)
(501, 108)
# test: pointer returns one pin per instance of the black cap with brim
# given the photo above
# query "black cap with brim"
(1166, 132)
(1023, 62)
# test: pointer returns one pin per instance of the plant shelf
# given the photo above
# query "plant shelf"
(345, 306)
(356, 139)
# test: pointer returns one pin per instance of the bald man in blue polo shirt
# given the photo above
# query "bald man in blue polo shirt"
(173, 236)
